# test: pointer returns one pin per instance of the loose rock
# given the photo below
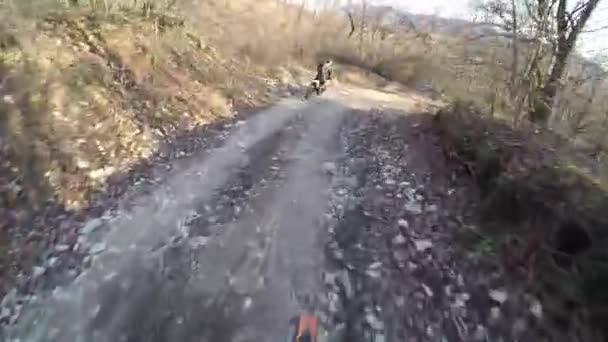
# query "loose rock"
(346, 284)
(422, 245)
(329, 168)
(427, 290)
(495, 314)
(536, 309)
(373, 273)
(329, 278)
(341, 192)
(91, 226)
(413, 207)
(61, 248)
(334, 302)
(198, 241)
(375, 265)
(374, 322)
(38, 271)
(480, 334)
(399, 240)
(98, 248)
(499, 295)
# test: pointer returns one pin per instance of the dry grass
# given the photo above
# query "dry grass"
(90, 92)
(87, 94)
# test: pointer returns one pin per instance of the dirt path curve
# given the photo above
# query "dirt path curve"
(340, 204)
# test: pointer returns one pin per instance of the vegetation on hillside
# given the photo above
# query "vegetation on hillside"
(548, 214)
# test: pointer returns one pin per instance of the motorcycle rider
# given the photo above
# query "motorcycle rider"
(323, 73)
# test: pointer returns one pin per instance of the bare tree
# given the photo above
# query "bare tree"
(514, 49)
(351, 19)
(549, 32)
(500, 20)
(352, 23)
(377, 22)
(362, 25)
(568, 24)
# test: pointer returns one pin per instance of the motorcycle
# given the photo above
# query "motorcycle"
(315, 87)
(306, 328)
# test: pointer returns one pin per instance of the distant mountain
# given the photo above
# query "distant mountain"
(402, 20)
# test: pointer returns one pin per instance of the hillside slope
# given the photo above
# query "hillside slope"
(87, 98)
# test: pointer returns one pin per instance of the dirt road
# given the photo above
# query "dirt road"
(337, 205)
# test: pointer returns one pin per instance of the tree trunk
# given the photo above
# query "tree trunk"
(567, 34)
(558, 66)
(515, 51)
(352, 24)
(362, 26)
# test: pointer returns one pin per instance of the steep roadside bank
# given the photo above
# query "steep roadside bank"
(96, 104)
(542, 212)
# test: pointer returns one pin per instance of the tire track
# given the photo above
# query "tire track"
(221, 252)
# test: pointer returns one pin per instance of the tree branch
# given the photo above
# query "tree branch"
(580, 6)
(562, 21)
(585, 14)
(352, 24)
(515, 49)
